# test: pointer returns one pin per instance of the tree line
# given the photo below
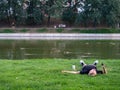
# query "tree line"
(72, 12)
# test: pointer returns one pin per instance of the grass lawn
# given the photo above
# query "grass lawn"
(59, 30)
(45, 74)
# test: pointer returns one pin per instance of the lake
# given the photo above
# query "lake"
(67, 49)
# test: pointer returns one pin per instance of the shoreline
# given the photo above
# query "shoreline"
(58, 36)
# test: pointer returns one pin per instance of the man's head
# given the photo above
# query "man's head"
(92, 72)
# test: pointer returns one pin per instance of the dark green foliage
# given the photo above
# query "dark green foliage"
(110, 11)
(100, 12)
(30, 17)
(38, 16)
(50, 2)
(94, 12)
(69, 16)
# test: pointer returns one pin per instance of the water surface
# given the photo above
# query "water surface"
(29, 49)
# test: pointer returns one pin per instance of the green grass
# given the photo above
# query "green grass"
(7, 31)
(45, 74)
(95, 31)
(24, 30)
(42, 30)
(61, 30)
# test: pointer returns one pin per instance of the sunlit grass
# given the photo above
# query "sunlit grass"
(45, 74)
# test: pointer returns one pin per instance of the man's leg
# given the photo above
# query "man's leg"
(95, 62)
(82, 63)
(104, 69)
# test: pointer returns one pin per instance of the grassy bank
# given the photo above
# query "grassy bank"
(45, 74)
(59, 30)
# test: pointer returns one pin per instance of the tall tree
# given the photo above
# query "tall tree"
(100, 11)
(111, 12)
(3, 10)
(70, 11)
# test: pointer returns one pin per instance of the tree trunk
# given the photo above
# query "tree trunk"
(48, 22)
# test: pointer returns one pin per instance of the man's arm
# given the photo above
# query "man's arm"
(72, 72)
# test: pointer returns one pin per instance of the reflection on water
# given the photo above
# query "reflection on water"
(28, 49)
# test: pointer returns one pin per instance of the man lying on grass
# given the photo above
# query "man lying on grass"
(90, 69)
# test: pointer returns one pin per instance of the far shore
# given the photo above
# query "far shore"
(52, 27)
(59, 36)
(50, 33)
(59, 30)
